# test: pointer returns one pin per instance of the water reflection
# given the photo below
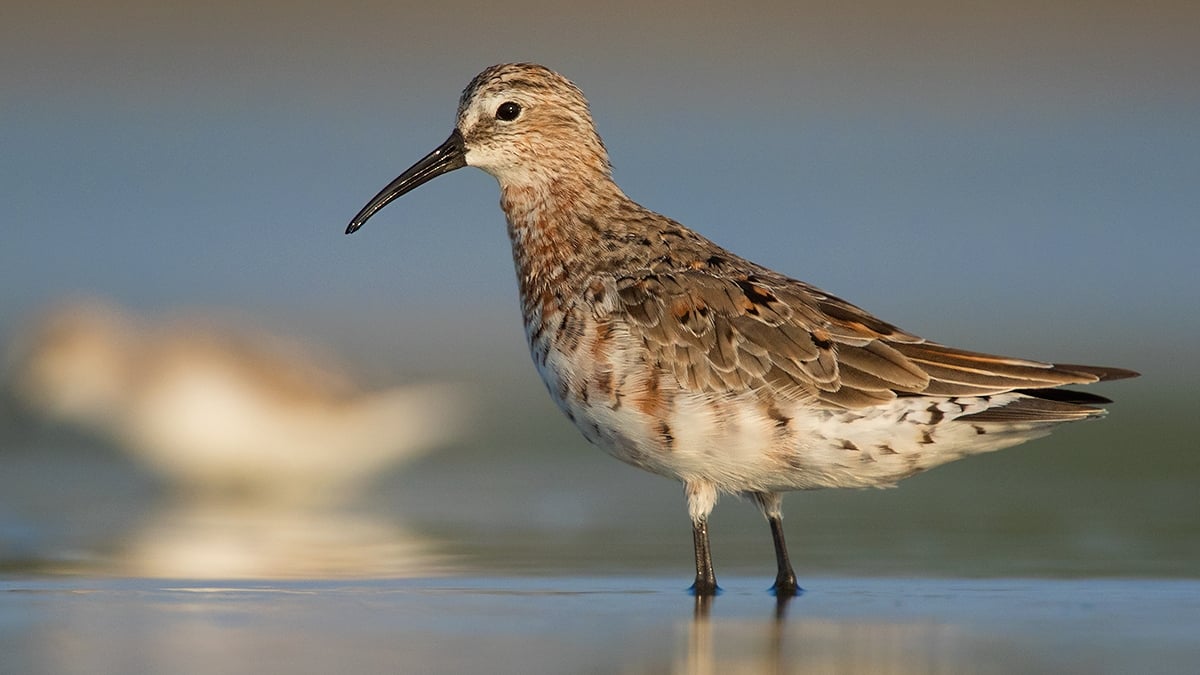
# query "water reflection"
(776, 644)
(232, 539)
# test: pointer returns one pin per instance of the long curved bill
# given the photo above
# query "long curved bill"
(447, 157)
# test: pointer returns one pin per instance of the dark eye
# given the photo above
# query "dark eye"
(508, 111)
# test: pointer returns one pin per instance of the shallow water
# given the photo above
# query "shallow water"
(597, 624)
(1094, 500)
(528, 551)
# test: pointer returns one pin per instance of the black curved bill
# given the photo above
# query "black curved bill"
(447, 157)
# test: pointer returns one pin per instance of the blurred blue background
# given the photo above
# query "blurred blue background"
(1018, 177)
(1014, 177)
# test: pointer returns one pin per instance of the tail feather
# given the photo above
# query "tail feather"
(1039, 408)
(1066, 396)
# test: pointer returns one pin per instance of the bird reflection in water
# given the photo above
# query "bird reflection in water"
(774, 642)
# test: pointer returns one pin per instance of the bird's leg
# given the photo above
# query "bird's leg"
(785, 579)
(706, 579)
(702, 496)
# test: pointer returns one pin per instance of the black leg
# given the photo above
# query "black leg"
(706, 580)
(785, 579)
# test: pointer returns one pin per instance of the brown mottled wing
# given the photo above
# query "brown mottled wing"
(748, 331)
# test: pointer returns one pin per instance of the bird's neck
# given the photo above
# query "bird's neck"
(558, 231)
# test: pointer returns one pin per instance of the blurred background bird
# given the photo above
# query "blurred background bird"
(220, 408)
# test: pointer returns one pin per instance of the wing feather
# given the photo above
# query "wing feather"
(749, 328)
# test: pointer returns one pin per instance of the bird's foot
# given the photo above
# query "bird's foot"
(786, 587)
(705, 588)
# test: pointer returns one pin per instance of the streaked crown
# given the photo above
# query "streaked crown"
(524, 123)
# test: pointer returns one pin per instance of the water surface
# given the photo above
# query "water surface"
(597, 624)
